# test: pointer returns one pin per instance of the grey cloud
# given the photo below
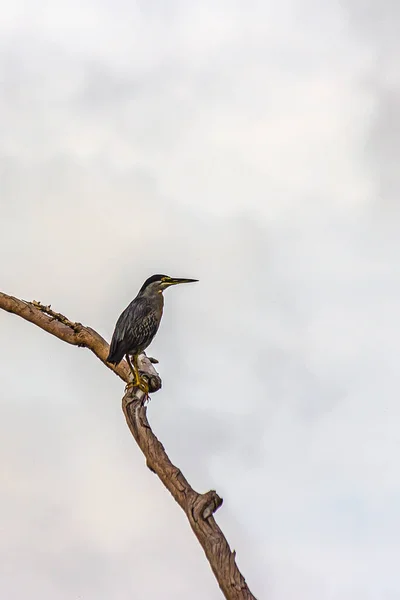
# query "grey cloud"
(377, 25)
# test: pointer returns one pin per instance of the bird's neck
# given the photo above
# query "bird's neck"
(161, 299)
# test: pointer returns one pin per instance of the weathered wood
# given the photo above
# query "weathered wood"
(199, 508)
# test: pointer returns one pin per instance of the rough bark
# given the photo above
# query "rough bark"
(199, 508)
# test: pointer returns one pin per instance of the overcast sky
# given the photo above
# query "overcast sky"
(254, 146)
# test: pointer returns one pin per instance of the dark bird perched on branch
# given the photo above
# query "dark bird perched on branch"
(138, 324)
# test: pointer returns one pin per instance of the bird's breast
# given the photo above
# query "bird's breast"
(160, 306)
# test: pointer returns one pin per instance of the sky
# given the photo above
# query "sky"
(253, 146)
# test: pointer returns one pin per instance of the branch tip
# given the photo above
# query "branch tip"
(206, 505)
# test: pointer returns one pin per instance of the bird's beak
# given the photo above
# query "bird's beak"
(176, 281)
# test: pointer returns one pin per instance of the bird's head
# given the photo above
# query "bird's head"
(158, 283)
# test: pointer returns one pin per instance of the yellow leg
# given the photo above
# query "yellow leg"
(137, 381)
(134, 370)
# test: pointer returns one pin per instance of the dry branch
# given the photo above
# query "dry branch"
(199, 508)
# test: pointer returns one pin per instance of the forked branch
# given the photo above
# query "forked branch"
(199, 508)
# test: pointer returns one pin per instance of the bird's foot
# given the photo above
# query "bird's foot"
(139, 383)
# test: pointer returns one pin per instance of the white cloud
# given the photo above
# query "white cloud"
(226, 142)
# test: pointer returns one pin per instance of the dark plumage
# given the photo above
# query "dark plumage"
(135, 329)
(139, 323)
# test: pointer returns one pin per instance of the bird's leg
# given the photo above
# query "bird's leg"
(142, 384)
(135, 373)
(137, 381)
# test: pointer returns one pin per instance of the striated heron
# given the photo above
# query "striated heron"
(138, 324)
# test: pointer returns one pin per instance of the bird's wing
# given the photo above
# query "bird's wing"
(134, 330)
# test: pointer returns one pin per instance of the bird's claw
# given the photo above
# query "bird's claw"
(140, 384)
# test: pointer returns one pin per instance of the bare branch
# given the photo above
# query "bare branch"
(199, 508)
(64, 329)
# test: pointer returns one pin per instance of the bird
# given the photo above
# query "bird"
(139, 323)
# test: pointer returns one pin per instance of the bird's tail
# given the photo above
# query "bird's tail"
(115, 355)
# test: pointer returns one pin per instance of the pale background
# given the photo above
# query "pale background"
(254, 146)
